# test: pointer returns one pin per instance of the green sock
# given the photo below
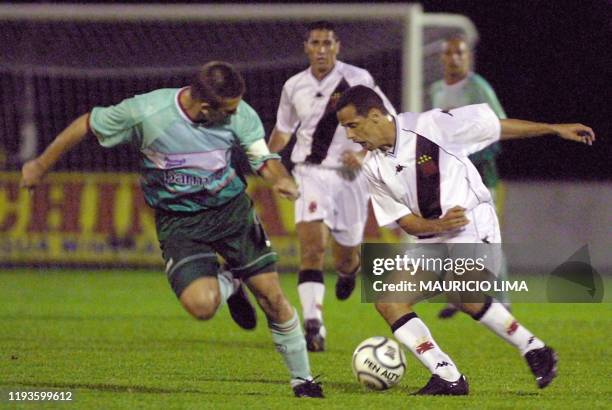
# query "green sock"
(289, 340)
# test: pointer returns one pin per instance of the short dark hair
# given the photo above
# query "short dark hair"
(363, 99)
(455, 37)
(321, 25)
(216, 81)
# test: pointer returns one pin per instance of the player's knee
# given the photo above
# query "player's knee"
(202, 306)
(312, 253)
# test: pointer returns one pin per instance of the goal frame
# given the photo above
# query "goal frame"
(414, 21)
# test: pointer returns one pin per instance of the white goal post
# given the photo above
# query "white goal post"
(413, 19)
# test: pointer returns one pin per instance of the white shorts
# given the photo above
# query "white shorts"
(326, 195)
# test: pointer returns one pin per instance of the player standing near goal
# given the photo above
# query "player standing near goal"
(333, 192)
(459, 87)
(201, 209)
(419, 176)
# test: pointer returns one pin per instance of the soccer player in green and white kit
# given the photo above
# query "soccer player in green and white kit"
(460, 87)
(201, 209)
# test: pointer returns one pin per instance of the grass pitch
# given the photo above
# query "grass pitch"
(119, 339)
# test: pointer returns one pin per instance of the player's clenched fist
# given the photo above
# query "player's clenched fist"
(32, 173)
(453, 219)
(286, 188)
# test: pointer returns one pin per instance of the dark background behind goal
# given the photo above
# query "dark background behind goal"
(547, 61)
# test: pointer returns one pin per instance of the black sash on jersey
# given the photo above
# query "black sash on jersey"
(428, 179)
(326, 128)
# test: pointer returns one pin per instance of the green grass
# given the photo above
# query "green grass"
(121, 340)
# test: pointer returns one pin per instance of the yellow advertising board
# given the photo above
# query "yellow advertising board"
(101, 219)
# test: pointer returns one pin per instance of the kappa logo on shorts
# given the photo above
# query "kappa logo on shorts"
(312, 207)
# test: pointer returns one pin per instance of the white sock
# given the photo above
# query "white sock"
(227, 285)
(311, 298)
(502, 323)
(412, 332)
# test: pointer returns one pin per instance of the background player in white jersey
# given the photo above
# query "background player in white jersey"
(333, 193)
(185, 138)
(419, 176)
(461, 86)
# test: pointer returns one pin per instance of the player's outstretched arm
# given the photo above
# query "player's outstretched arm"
(275, 173)
(514, 129)
(452, 220)
(278, 140)
(33, 171)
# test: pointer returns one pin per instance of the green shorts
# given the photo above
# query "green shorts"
(192, 242)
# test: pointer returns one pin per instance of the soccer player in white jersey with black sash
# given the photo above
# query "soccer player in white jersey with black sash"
(419, 177)
(333, 192)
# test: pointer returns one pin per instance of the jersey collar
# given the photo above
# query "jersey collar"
(458, 84)
(183, 113)
(393, 151)
(328, 76)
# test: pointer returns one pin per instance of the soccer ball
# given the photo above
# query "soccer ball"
(379, 363)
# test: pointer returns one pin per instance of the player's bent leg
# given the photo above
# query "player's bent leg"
(192, 274)
(541, 359)
(287, 335)
(201, 298)
(346, 262)
(410, 330)
(313, 237)
(202, 295)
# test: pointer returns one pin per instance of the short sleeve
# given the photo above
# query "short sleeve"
(463, 130)
(286, 116)
(386, 209)
(113, 125)
(247, 125)
(249, 131)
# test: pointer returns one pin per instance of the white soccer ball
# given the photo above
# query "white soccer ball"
(379, 363)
